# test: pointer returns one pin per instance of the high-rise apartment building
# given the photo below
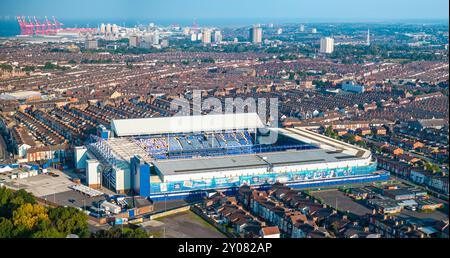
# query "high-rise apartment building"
(91, 44)
(133, 41)
(326, 45)
(218, 36)
(206, 36)
(255, 35)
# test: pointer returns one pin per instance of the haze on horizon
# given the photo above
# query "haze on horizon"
(330, 10)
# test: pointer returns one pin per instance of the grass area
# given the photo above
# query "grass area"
(157, 233)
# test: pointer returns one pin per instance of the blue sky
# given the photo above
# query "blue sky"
(250, 9)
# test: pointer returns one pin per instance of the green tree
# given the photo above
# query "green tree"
(6, 228)
(119, 232)
(69, 220)
(51, 232)
(10, 201)
(432, 167)
(29, 215)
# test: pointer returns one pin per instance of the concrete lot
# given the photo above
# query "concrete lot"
(182, 225)
(344, 203)
(41, 185)
(72, 198)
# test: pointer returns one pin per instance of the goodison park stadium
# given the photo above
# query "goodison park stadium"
(187, 156)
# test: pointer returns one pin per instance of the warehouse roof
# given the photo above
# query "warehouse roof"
(186, 124)
(245, 161)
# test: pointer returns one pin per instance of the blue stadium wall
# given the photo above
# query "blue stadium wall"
(140, 176)
(301, 179)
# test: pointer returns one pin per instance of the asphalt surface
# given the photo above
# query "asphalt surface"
(182, 225)
(344, 203)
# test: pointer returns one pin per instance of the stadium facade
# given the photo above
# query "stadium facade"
(178, 157)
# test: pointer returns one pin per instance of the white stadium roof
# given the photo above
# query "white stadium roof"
(186, 124)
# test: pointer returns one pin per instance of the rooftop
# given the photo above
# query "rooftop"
(185, 124)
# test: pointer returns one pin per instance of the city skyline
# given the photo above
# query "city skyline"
(280, 11)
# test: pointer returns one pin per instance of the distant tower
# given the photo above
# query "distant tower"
(206, 36)
(326, 45)
(255, 34)
(368, 37)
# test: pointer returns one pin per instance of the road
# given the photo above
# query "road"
(3, 149)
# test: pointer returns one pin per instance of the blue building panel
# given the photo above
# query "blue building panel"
(144, 180)
(301, 179)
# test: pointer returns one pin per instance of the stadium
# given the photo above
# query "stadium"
(185, 156)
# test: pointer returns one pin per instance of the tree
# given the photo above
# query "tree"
(10, 201)
(29, 215)
(119, 232)
(136, 233)
(69, 220)
(432, 167)
(48, 233)
(6, 228)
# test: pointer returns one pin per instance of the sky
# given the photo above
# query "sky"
(339, 10)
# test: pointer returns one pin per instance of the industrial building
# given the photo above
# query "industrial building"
(181, 156)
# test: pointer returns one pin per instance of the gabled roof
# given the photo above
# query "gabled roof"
(185, 124)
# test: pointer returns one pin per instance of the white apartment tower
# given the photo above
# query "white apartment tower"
(206, 36)
(255, 35)
(217, 36)
(326, 45)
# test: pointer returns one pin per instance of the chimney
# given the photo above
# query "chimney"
(366, 229)
(344, 217)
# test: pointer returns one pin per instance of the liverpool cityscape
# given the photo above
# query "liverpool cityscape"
(199, 119)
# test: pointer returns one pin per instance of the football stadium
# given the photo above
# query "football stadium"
(186, 156)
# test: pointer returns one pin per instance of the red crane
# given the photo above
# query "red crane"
(25, 27)
(28, 27)
(31, 26)
(40, 28)
(57, 24)
(50, 26)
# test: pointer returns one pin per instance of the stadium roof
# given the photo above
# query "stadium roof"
(185, 124)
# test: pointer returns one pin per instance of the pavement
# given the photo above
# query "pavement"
(344, 203)
(181, 225)
(41, 185)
